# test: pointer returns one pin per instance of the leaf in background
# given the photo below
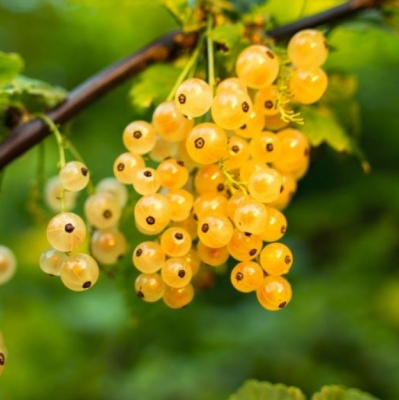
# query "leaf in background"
(340, 98)
(228, 36)
(31, 94)
(10, 66)
(184, 11)
(322, 126)
(153, 85)
(340, 393)
(255, 390)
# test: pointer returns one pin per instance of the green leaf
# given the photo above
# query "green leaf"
(341, 86)
(340, 393)
(31, 94)
(321, 126)
(228, 36)
(255, 390)
(153, 85)
(10, 66)
(184, 13)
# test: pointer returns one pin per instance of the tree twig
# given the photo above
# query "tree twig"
(27, 135)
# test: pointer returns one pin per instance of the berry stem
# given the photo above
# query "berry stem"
(231, 180)
(190, 64)
(61, 149)
(210, 50)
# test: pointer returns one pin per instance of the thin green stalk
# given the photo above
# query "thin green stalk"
(61, 149)
(210, 50)
(190, 64)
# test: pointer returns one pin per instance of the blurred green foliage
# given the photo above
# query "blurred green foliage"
(342, 326)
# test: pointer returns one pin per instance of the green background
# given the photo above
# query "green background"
(342, 325)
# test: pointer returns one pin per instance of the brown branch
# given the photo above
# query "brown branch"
(27, 135)
(330, 16)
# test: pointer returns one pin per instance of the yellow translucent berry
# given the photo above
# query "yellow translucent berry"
(51, 261)
(274, 293)
(231, 109)
(249, 168)
(308, 85)
(108, 246)
(139, 137)
(233, 84)
(125, 165)
(52, 195)
(66, 231)
(289, 188)
(266, 100)
(214, 257)
(190, 224)
(172, 173)
(250, 216)
(178, 297)
(74, 176)
(308, 49)
(102, 210)
(163, 149)
(170, 123)
(265, 147)
(175, 242)
(149, 287)
(295, 150)
(181, 202)
(246, 276)
(146, 180)
(79, 272)
(148, 257)
(193, 97)
(209, 202)
(257, 66)
(237, 153)
(254, 125)
(209, 178)
(233, 202)
(215, 229)
(206, 143)
(276, 259)
(193, 260)
(276, 226)
(8, 264)
(115, 188)
(265, 185)
(152, 212)
(244, 246)
(176, 272)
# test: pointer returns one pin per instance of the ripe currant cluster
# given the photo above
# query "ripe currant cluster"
(67, 231)
(215, 168)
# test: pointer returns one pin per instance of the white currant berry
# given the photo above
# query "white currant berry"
(8, 264)
(66, 231)
(108, 246)
(51, 261)
(79, 272)
(74, 176)
(103, 210)
(52, 195)
(193, 97)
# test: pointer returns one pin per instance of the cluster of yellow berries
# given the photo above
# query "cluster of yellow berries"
(215, 169)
